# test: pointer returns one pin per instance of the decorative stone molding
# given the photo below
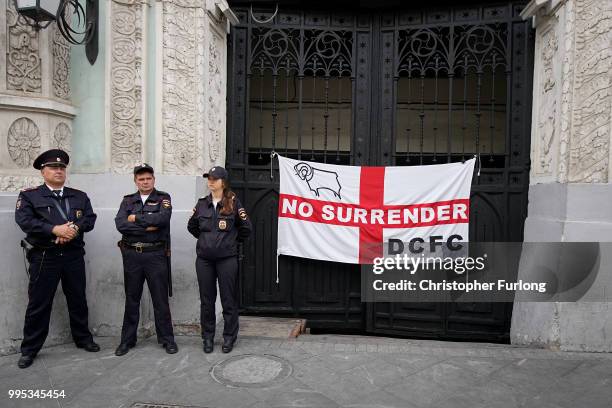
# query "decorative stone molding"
(23, 62)
(572, 90)
(126, 84)
(592, 97)
(547, 107)
(18, 183)
(62, 137)
(567, 87)
(183, 90)
(23, 142)
(216, 96)
(61, 65)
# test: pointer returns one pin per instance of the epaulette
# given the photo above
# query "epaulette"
(162, 192)
(29, 189)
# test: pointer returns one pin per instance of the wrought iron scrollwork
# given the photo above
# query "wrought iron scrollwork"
(308, 52)
(275, 49)
(448, 49)
(328, 53)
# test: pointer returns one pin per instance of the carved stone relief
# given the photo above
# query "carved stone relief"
(592, 97)
(126, 84)
(566, 89)
(23, 69)
(61, 65)
(23, 140)
(547, 107)
(18, 183)
(62, 137)
(183, 86)
(216, 85)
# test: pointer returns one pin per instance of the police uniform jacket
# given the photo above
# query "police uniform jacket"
(37, 213)
(155, 212)
(218, 234)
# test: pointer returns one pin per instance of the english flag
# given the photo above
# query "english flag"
(346, 213)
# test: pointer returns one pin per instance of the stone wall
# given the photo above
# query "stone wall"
(163, 68)
(35, 96)
(570, 190)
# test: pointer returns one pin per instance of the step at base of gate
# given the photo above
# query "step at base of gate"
(275, 327)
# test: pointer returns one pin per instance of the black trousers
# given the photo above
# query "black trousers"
(151, 267)
(226, 271)
(47, 269)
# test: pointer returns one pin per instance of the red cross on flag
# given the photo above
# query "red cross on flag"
(346, 213)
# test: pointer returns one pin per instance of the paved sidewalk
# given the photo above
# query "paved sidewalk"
(314, 371)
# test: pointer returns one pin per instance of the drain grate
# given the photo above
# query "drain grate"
(155, 405)
(251, 370)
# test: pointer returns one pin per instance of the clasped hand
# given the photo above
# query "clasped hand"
(64, 233)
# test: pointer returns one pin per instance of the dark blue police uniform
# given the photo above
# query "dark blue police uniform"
(217, 258)
(146, 258)
(37, 211)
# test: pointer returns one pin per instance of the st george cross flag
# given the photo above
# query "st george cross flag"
(346, 213)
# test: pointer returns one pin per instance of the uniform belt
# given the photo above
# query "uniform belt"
(142, 246)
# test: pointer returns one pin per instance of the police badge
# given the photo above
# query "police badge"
(222, 225)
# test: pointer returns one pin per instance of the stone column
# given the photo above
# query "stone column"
(193, 86)
(570, 194)
(128, 21)
(35, 109)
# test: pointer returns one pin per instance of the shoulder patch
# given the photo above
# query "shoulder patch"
(18, 205)
(242, 214)
(166, 203)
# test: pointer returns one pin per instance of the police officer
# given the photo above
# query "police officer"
(219, 222)
(143, 220)
(55, 218)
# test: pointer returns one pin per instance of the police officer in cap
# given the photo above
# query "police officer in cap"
(143, 220)
(55, 218)
(219, 222)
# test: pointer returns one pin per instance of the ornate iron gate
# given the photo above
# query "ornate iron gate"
(398, 88)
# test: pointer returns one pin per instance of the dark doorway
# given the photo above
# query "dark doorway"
(398, 87)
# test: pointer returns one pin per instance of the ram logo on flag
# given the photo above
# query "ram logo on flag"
(346, 213)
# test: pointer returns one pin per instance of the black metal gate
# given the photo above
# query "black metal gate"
(387, 88)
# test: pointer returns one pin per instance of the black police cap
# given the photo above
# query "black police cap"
(217, 172)
(143, 167)
(51, 157)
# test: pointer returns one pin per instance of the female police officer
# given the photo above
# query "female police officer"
(219, 222)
